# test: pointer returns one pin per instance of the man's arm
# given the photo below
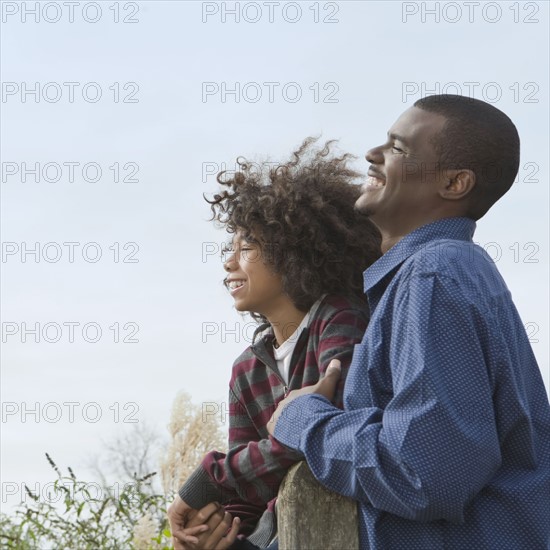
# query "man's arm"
(435, 445)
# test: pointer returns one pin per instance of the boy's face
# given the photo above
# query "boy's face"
(250, 281)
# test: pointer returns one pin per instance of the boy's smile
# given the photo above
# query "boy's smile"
(234, 285)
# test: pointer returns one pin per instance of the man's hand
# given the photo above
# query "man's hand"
(325, 387)
(204, 528)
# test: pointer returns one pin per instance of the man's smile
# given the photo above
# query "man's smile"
(373, 182)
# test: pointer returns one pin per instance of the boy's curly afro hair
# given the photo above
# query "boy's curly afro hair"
(302, 216)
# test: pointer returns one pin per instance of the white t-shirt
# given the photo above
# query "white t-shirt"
(283, 354)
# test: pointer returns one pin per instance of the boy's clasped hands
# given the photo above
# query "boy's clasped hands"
(210, 528)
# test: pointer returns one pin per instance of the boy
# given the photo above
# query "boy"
(296, 262)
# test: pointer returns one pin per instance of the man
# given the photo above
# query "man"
(445, 436)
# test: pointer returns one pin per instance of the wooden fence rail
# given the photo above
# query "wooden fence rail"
(310, 517)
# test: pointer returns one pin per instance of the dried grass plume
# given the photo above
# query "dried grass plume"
(145, 530)
(193, 433)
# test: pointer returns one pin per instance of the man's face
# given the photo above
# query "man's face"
(401, 189)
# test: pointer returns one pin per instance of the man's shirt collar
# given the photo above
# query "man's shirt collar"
(461, 229)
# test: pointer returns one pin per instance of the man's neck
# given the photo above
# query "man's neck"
(392, 235)
(388, 241)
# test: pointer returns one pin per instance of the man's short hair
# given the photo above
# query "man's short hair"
(479, 137)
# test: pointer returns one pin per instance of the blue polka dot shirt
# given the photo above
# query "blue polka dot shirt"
(444, 440)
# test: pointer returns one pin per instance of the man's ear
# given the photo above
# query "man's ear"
(457, 184)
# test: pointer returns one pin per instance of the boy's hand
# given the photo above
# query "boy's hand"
(325, 387)
(204, 528)
(179, 513)
(217, 536)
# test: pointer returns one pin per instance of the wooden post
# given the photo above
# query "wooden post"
(310, 517)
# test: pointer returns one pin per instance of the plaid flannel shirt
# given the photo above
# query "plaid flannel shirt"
(247, 478)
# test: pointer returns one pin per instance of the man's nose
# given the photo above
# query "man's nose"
(375, 155)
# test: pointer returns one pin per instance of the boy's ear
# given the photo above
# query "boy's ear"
(457, 184)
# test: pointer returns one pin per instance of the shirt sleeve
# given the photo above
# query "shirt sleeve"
(256, 463)
(338, 338)
(252, 469)
(435, 445)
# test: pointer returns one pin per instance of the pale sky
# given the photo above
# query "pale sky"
(162, 101)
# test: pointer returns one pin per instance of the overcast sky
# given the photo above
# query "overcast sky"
(127, 111)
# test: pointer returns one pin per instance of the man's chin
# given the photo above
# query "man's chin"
(363, 206)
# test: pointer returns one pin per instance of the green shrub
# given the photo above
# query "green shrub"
(85, 516)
